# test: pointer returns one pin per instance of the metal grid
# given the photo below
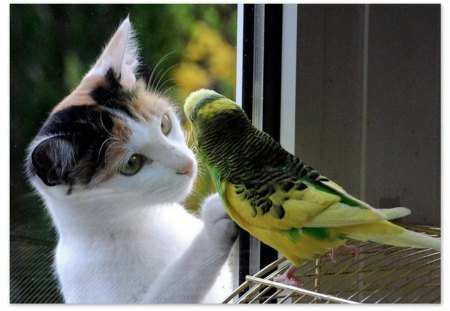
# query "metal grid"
(377, 274)
(31, 277)
(32, 243)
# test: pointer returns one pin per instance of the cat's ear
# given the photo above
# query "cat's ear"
(121, 55)
(53, 159)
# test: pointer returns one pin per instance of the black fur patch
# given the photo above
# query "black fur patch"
(50, 166)
(82, 130)
(112, 94)
(144, 72)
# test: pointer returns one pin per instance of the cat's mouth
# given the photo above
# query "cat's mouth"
(176, 192)
(187, 172)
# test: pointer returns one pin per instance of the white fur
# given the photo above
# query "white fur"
(127, 240)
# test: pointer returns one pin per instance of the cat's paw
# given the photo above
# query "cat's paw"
(218, 224)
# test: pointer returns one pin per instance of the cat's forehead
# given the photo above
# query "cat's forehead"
(106, 92)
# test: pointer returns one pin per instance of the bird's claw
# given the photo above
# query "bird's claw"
(333, 251)
(288, 278)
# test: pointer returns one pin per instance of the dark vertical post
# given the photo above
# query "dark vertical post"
(247, 70)
(247, 99)
(273, 22)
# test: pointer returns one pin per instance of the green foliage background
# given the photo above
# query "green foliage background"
(52, 46)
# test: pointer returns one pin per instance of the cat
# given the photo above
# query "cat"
(111, 165)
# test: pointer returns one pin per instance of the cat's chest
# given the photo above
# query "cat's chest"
(101, 272)
(117, 270)
(119, 266)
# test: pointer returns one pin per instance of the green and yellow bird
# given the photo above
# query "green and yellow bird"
(278, 198)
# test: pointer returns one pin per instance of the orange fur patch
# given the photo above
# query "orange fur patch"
(120, 130)
(146, 105)
(115, 159)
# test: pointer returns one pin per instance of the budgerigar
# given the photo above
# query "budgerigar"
(275, 196)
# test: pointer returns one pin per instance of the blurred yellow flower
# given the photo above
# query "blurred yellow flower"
(223, 63)
(208, 60)
(189, 76)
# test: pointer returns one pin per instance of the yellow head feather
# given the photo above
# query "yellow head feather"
(211, 102)
(194, 98)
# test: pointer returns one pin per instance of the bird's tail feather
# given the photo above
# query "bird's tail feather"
(414, 239)
(384, 232)
(396, 212)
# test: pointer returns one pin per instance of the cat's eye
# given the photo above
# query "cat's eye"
(166, 124)
(133, 165)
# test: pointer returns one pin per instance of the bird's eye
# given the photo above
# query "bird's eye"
(166, 124)
(133, 165)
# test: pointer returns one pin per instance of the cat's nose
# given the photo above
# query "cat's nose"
(186, 169)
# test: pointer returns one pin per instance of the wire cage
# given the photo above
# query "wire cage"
(376, 274)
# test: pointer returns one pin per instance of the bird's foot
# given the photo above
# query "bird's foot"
(332, 253)
(350, 248)
(288, 278)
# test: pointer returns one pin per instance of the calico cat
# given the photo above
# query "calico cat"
(111, 165)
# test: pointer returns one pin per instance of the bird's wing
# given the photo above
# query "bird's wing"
(350, 210)
(297, 203)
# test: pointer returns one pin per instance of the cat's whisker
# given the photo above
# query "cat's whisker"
(101, 147)
(188, 135)
(202, 173)
(103, 125)
(164, 83)
(200, 195)
(168, 90)
(174, 86)
(162, 59)
(110, 145)
(162, 76)
(159, 86)
(157, 71)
